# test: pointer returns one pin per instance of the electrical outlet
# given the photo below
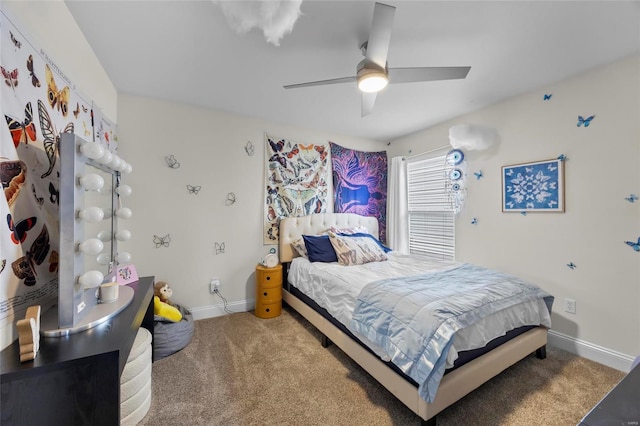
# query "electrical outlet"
(214, 285)
(570, 306)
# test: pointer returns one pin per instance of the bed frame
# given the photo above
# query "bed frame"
(455, 384)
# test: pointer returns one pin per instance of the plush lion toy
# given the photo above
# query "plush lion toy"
(162, 305)
(163, 291)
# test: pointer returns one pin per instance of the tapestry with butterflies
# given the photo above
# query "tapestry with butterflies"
(296, 182)
(360, 183)
(38, 103)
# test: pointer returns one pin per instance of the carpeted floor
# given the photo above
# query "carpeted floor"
(242, 370)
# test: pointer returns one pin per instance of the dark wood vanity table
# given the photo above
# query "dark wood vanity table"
(75, 379)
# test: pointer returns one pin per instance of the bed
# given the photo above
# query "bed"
(471, 368)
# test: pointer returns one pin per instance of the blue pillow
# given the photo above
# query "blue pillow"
(362, 234)
(319, 248)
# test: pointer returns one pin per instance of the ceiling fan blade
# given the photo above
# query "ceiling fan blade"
(322, 82)
(368, 99)
(380, 34)
(411, 75)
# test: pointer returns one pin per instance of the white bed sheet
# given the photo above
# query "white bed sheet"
(336, 287)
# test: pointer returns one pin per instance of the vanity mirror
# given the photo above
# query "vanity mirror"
(89, 211)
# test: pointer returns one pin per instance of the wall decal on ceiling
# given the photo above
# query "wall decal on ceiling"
(360, 183)
(172, 162)
(571, 265)
(635, 246)
(533, 187)
(250, 149)
(231, 199)
(474, 221)
(478, 174)
(631, 198)
(547, 96)
(218, 248)
(585, 121)
(162, 241)
(562, 157)
(193, 189)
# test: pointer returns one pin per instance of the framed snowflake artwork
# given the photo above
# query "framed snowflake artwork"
(533, 187)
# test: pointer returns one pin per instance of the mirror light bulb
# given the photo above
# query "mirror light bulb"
(124, 213)
(123, 257)
(104, 236)
(92, 150)
(128, 169)
(104, 258)
(92, 182)
(123, 235)
(92, 246)
(115, 162)
(91, 214)
(124, 190)
(106, 158)
(91, 279)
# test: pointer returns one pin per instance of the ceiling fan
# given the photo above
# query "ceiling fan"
(372, 73)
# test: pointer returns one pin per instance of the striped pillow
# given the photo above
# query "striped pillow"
(356, 250)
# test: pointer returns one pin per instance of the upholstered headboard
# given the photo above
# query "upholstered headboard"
(292, 228)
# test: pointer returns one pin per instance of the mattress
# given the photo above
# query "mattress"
(335, 288)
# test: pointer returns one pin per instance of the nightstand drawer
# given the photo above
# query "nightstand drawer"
(269, 295)
(269, 310)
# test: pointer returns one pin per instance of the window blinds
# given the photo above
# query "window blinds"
(431, 215)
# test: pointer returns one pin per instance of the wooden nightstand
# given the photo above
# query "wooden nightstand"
(268, 291)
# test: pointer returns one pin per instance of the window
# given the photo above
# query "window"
(431, 215)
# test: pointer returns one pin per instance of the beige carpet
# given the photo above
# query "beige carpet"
(242, 370)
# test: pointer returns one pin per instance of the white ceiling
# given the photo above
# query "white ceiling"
(185, 51)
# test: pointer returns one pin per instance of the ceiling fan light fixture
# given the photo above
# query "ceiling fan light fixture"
(372, 81)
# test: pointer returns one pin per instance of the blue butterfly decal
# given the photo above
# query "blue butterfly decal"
(635, 246)
(562, 157)
(585, 121)
(571, 265)
(547, 96)
(219, 248)
(474, 221)
(276, 146)
(478, 174)
(631, 198)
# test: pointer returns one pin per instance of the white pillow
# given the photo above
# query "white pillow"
(299, 246)
(353, 230)
(356, 250)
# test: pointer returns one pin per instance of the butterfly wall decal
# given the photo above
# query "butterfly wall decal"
(478, 174)
(276, 146)
(19, 230)
(25, 266)
(547, 96)
(561, 157)
(571, 265)
(162, 241)
(631, 198)
(193, 189)
(585, 121)
(635, 246)
(250, 149)
(231, 199)
(474, 221)
(10, 77)
(58, 99)
(172, 162)
(218, 248)
(15, 41)
(34, 79)
(51, 137)
(22, 131)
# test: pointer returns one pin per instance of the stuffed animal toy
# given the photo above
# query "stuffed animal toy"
(165, 310)
(163, 291)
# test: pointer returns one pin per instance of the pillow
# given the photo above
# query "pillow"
(319, 248)
(298, 245)
(363, 234)
(349, 231)
(356, 250)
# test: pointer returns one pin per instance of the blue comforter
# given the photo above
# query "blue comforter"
(414, 319)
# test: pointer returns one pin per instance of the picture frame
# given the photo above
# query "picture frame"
(126, 274)
(533, 187)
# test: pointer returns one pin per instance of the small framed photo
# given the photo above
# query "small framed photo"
(126, 274)
(533, 187)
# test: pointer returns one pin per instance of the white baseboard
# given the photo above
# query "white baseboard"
(596, 353)
(211, 311)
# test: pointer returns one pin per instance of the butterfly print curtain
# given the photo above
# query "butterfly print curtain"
(360, 183)
(296, 182)
(38, 103)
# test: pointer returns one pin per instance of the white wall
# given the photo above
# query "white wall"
(210, 148)
(601, 170)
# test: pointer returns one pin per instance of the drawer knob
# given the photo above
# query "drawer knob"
(268, 278)
(265, 293)
(267, 309)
